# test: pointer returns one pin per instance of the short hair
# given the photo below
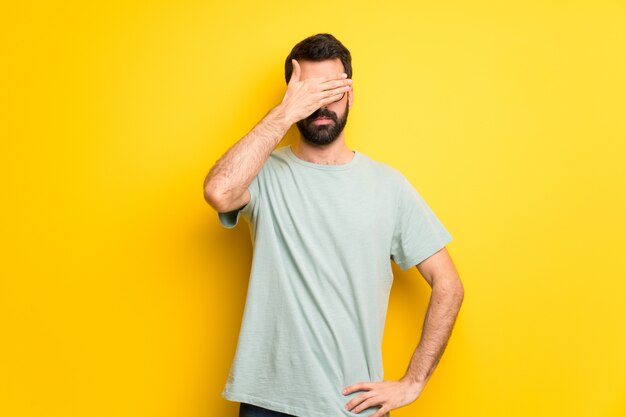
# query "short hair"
(319, 47)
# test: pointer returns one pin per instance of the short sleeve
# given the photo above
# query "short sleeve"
(230, 219)
(418, 233)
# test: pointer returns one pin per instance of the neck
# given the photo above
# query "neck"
(335, 153)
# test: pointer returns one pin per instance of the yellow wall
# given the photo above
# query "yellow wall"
(121, 295)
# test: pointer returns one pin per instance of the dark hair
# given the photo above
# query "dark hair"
(319, 47)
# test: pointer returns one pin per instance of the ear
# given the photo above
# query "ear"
(350, 97)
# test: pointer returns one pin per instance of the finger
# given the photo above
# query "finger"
(338, 95)
(354, 387)
(367, 403)
(328, 100)
(382, 412)
(361, 402)
(335, 83)
(348, 390)
(330, 77)
(295, 73)
(334, 91)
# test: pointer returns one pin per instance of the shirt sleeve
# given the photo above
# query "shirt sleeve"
(418, 233)
(230, 219)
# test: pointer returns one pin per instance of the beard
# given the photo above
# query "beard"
(322, 134)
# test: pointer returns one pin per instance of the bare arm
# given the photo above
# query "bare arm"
(445, 302)
(226, 184)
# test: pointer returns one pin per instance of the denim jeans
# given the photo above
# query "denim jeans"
(251, 410)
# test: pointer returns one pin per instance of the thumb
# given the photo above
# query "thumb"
(295, 73)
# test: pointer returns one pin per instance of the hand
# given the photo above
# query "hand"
(389, 394)
(303, 97)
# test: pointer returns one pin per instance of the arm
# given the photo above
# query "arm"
(445, 302)
(226, 184)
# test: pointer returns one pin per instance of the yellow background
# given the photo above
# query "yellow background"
(121, 295)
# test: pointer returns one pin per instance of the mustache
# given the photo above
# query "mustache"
(322, 113)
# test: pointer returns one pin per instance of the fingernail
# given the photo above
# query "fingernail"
(344, 75)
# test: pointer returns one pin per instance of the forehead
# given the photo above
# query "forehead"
(310, 69)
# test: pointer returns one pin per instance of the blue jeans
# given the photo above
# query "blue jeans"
(251, 410)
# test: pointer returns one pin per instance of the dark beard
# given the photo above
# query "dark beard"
(323, 134)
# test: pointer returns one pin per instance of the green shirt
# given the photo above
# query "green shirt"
(323, 237)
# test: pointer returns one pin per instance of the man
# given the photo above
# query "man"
(325, 222)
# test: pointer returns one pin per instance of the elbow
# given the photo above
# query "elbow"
(460, 292)
(214, 198)
(213, 195)
(454, 290)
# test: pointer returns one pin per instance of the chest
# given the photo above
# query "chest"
(340, 210)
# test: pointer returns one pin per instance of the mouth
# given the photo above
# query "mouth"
(322, 121)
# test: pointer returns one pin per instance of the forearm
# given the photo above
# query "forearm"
(443, 308)
(235, 170)
(232, 174)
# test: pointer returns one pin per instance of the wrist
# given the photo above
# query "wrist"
(280, 116)
(414, 382)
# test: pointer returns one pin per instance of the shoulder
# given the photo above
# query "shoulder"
(278, 158)
(397, 186)
(392, 176)
(279, 153)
